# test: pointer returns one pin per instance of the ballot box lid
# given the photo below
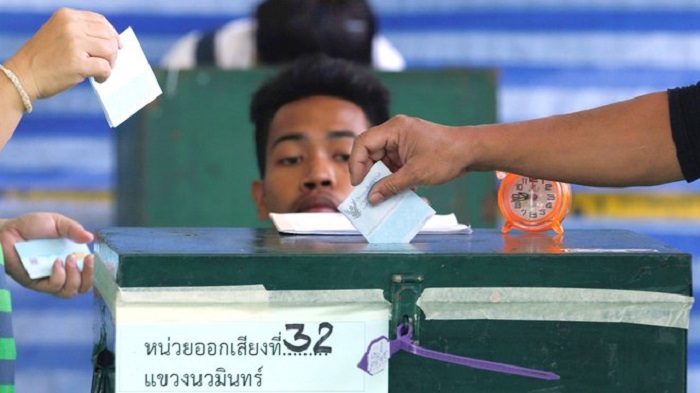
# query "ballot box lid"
(621, 259)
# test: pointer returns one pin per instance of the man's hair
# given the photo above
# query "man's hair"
(313, 76)
(288, 29)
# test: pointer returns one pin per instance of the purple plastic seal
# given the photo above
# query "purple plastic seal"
(380, 350)
(377, 356)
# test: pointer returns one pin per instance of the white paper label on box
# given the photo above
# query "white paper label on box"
(233, 356)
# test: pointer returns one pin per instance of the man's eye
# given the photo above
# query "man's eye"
(342, 157)
(287, 161)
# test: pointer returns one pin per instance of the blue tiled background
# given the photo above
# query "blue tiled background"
(553, 56)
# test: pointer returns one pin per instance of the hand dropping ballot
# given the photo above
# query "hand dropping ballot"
(131, 85)
(395, 220)
(38, 255)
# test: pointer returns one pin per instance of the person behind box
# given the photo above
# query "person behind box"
(69, 47)
(283, 30)
(306, 119)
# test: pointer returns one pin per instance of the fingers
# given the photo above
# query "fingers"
(56, 283)
(360, 161)
(99, 68)
(387, 142)
(72, 229)
(369, 147)
(94, 18)
(389, 186)
(86, 276)
(67, 281)
(69, 47)
(72, 283)
(382, 142)
(101, 46)
(102, 41)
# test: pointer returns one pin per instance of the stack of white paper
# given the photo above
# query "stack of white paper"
(338, 224)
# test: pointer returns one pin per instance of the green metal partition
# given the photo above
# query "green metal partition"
(188, 159)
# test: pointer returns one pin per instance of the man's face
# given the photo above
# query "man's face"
(307, 152)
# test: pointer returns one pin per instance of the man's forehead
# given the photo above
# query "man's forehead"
(307, 136)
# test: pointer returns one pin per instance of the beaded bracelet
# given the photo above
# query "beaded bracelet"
(22, 93)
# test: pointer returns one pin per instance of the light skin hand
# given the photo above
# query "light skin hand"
(71, 46)
(64, 282)
(417, 151)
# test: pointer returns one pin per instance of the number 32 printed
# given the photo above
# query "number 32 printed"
(302, 342)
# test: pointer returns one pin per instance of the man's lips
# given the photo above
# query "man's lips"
(317, 204)
(319, 209)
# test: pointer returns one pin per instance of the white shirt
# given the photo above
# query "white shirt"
(234, 48)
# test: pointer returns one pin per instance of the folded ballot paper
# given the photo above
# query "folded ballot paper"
(396, 220)
(131, 85)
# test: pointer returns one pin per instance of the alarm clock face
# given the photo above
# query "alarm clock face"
(532, 199)
(534, 204)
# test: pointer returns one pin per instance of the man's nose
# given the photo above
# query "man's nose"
(319, 173)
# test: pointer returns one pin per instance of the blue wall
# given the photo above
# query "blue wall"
(554, 56)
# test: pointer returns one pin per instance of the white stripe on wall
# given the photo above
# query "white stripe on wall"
(68, 153)
(661, 50)
(657, 50)
(515, 104)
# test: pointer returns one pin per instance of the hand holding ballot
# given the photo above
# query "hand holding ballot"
(606, 146)
(71, 46)
(65, 281)
(417, 151)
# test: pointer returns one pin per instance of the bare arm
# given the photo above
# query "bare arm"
(69, 47)
(11, 108)
(623, 144)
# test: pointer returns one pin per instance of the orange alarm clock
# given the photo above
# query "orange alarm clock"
(533, 205)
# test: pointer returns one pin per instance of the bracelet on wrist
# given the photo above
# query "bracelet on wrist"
(20, 89)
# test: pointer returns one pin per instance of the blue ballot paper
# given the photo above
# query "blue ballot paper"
(395, 220)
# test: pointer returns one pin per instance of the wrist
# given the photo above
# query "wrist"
(21, 68)
(8, 74)
(474, 145)
(9, 97)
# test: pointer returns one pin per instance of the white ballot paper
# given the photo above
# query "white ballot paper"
(38, 255)
(395, 220)
(131, 85)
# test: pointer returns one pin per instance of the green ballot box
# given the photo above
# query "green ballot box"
(247, 309)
